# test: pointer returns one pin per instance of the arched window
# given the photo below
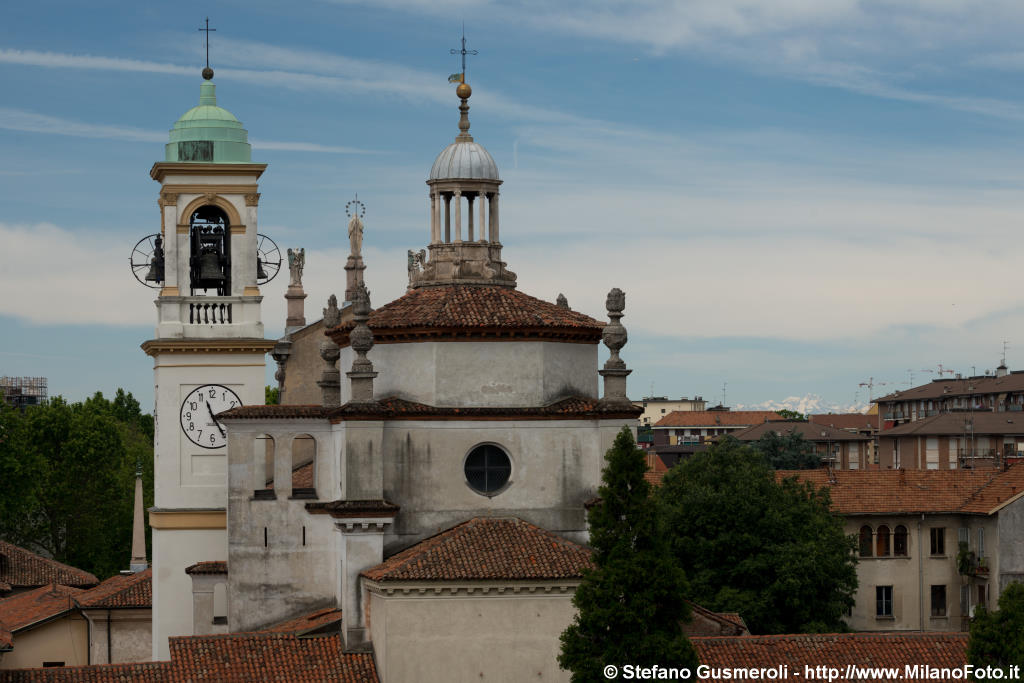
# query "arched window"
(882, 548)
(865, 541)
(210, 254)
(304, 466)
(899, 541)
(263, 467)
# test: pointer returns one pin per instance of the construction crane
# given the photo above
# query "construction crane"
(871, 384)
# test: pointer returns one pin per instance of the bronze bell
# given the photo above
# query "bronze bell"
(260, 273)
(209, 267)
(156, 264)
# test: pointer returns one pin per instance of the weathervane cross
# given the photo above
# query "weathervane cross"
(207, 30)
(464, 52)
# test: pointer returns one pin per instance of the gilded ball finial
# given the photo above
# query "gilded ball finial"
(464, 91)
(208, 73)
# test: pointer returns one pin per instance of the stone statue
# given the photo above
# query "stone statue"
(417, 262)
(355, 236)
(296, 262)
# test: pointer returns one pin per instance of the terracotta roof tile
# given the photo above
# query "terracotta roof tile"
(474, 311)
(808, 430)
(208, 567)
(122, 591)
(31, 607)
(231, 658)
(573, 408)
(846, 420)
(889, 650)
(23, 569)
(315, 621)
(486, 548)
(954, 424)
(938, 388)
(916, 491)
(5, 637)
(717, 418)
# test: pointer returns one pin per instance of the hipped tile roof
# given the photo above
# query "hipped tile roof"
(31, 607)
(486, 548)
(315, 621)
(572, 408)
(874, 650)
(846, 420)
(956, 424)
(124, 591)
(231, 658)
(23, 569)
(455, 312)
(717, 418)
(866, 492)
(964, 386)
(808, 430)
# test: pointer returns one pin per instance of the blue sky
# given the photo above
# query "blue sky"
(796, 196)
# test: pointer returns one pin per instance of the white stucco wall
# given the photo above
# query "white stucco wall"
(131, 635)
(465, 637)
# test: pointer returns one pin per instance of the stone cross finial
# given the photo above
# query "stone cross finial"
(615, 337)
(330, 378)
(361, 341)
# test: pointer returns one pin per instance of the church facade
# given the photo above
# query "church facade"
(432, 485)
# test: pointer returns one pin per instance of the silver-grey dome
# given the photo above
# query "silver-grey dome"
(464, 160)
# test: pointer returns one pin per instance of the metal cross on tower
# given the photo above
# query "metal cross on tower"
(207, 30)
(464, 52)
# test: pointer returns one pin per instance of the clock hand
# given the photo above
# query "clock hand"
(210, 411)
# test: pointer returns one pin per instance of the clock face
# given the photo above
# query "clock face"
(198, 413)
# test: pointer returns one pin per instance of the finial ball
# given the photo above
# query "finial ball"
(208, 73)
(464, 91)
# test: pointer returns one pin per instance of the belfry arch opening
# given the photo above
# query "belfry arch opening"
(209, 251)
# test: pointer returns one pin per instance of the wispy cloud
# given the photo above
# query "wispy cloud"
(31, 122)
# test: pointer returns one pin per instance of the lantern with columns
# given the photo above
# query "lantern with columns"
(464, 242)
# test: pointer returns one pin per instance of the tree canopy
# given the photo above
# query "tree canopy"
(631, 606)
(771, 550)
(997, 637)
(67, 473)
(787, 451)
(788, 414)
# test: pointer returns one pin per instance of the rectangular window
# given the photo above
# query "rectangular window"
(883, 601)
(855, 456)
(931, 453)
(982, 595)
(938, 540)
(197, 150)
(965, 599)
(938, 601)
(964, 536)
(981, 543)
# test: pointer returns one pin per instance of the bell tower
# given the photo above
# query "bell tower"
(208, 351)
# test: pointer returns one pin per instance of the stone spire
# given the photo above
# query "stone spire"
(614, 337)
(330, 378)
(138, 563)
(361, 341)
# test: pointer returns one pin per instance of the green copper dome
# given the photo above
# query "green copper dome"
(209, 134)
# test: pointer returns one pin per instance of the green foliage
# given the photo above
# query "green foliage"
(788, 414)
(273, 395)
(789, 451)
(631, 607)
(997, 638)
(67, 478)
(772, 551)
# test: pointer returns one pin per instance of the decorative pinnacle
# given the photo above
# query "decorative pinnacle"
(464, 91)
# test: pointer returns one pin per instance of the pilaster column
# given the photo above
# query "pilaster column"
(283, 467)
(469, 223)
(447, 218)
(483, 205)
(494, 217)
(435, 228)
(458, 216)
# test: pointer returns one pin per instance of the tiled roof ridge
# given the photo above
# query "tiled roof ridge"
(857, 635)
(420, 552)
(25, 609)
(208, 567)
(22, 563)
(131, 590)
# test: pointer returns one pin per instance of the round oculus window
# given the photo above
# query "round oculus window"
(487, 469)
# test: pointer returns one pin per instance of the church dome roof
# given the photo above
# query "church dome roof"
(464, 311)
(207, 133)
(464, 160)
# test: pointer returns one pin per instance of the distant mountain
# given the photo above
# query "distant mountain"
(809, 404)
